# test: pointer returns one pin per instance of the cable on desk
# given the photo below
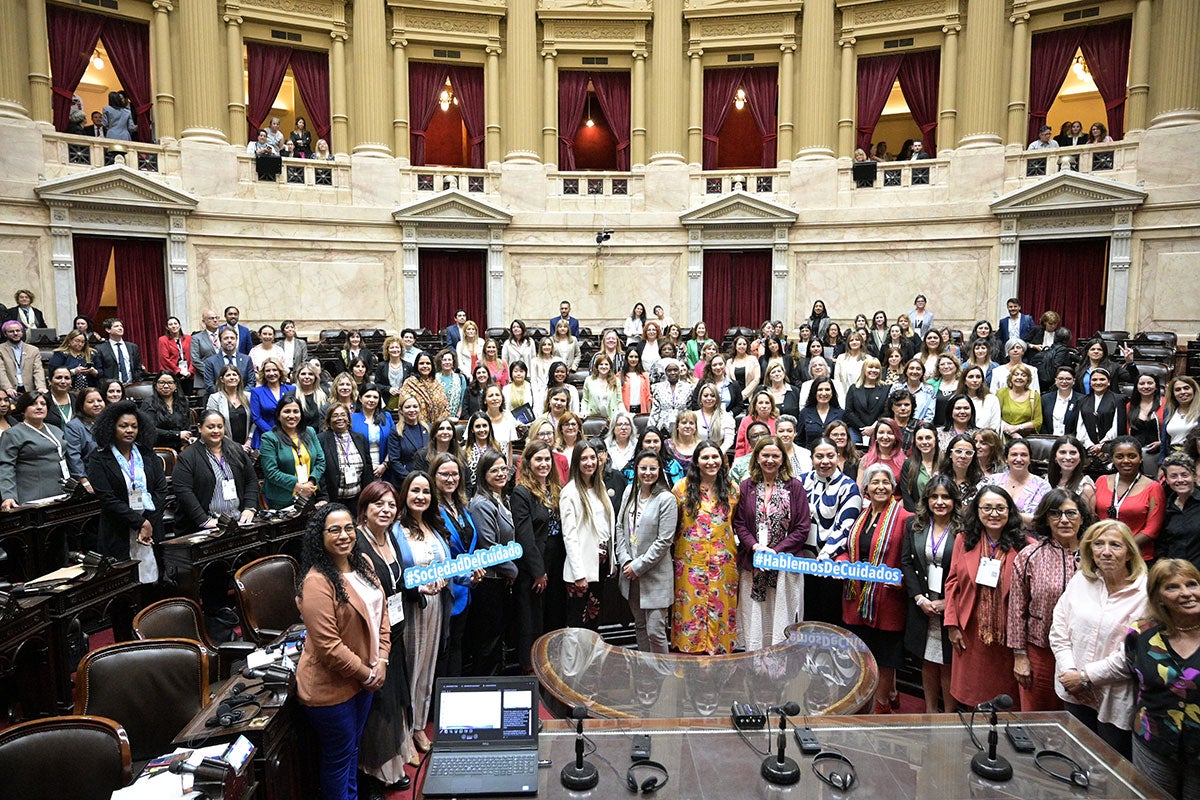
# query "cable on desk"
(742, 734)
(970, 726)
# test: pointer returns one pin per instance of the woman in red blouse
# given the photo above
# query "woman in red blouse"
(1131, 497)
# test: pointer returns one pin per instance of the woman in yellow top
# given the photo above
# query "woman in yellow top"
(293, 461)
(704, 619)
(1020, 405)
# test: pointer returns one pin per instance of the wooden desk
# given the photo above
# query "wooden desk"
(26, 677)
(18, 538)
(897, 757)
(285, 759)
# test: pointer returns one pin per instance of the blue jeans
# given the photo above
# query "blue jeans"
(338, 730)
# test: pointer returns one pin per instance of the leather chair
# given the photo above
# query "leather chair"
(595, 427)
(152, 688)
(1040, 445)
(181, 618)
(168, 457)
(80, 757)
(266, 590)
(139, 391)
(1165, 338)
(1161, 371)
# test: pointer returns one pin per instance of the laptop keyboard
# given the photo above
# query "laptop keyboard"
(498, 764)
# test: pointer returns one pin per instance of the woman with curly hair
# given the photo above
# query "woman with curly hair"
(345, 658)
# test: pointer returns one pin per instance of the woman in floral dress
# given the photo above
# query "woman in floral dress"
(704, 619)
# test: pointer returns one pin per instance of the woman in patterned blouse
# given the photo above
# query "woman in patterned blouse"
(1163, 653)
(834, 503)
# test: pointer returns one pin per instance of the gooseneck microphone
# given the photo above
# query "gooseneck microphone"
(582, 775)
(779, 769)
(987, 763)
(209, 770)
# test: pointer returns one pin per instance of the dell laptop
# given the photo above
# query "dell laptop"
(485, 737)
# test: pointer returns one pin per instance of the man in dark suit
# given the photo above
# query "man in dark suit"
(207, 341)
(229, 355)
(455, 331)
(95, 130)
(232, 315)
(116, 358)
(1060, 408)
(564, 312)
(1016, 325)
(918, 151)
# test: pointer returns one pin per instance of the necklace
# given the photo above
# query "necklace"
(1188, 629)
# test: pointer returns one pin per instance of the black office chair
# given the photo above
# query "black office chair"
(266, 591)
(77, 757)
(181, 618)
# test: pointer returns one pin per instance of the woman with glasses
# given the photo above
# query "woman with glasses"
(169, 413)
(960, 465)
(347, 459)
(977, 591)
(1040, 576)
(449, 486)
(492, 596)
(1102, 600)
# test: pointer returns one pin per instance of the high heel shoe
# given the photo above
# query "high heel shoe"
(421, 741)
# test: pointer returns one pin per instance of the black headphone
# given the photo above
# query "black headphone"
(834, 777)
(651, 784)
(1078, 775)
(228, 714)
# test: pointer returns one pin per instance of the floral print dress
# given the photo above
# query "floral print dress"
(706, 576)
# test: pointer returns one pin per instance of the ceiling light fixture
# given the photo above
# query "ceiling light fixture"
(739, 99)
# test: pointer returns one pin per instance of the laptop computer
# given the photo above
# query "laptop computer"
(485, 737)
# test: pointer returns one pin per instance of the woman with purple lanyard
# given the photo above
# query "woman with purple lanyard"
(449, 483)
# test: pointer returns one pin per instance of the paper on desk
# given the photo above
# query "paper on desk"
(65, 574)
(165, 785)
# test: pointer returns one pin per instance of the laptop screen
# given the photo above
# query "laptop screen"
(487, 710)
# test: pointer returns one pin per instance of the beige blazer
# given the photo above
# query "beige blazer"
(33, 374)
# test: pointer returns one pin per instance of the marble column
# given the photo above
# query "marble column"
(695, 274)
(339, 129)
(787, 82)
(1176, 63)
(164, 76)
(637, 112)
(817, 68)
(14, 64)
(39, 61)
(846, 109)
(667, 94)
(402, 143)
(370, 100)
(1116, 308)
(62, 259)
(550, 109)
(1018, 77)
(1010, 254)
(1140, 48)
(779, 274)
(521, 111)
(177, 265)
(235, 92)
(410, 267)
(496, 317)
(695, 107)
(201, 116)
(980, 122)
(491, 102)
(948, 114)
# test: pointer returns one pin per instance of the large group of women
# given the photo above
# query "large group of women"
(889, 445)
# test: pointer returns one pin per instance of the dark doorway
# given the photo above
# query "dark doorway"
(737, 289)
(450, 280)
(1068, 277)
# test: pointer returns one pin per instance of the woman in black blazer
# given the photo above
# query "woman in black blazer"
(199, 501)
(123, 447)
(539, 590)
(930, 530)
(1101, 414)
(866, 400)
(347, 459)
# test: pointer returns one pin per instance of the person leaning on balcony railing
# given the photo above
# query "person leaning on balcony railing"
(322, 152)
(1098, 134)
(1044, 140)
(266, 156)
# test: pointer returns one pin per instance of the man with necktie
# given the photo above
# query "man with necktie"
(229, 356)
(207, 341)
(116, 358)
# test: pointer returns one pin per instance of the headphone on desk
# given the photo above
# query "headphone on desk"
(651, 784)
(824, 767)
(1078, 776)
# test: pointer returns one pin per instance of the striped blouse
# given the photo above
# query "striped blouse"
(833, 505)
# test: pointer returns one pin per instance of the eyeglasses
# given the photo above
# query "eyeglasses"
(1058, 513)
(962, 453)
(993, 511)
(335, 530)
(448, 476)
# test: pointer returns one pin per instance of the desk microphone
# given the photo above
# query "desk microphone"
(987, 764)
(209, 770)
(582, 775)
(779, 769)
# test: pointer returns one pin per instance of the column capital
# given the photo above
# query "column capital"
(493, 50)
(163, 6)
(695, 52)
(339, 36)
(641, 54)
(232, 19)
(952, 30)
(549, 53)
(787, 48)
(1019, 17)
(847, 41)
(398, 41)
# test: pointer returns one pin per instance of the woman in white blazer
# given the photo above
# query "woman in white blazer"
(587, 531)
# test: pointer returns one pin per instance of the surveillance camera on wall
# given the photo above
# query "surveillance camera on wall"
(603, 236)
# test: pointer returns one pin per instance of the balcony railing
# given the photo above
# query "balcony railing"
(72, 153)
(596, 184)
(441, 179)
(299, 172)
(897, 174)
(771, 184)
(1116, 160)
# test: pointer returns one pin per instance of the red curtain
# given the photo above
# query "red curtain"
(92, 254)
(450, 280)
(876, 76)
(762, 95)
(919, 76)
(425, 82)
(1106, 50)
(613, 93)
(266, 65)
(737, 288)
(572, 97)
(467, 83)
(128, 46)
(311, 70)
(73, 38)
(1050, 57)
(1067, 277)
(141, 294)
(720, 86)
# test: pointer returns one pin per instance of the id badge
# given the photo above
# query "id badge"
(396, 608)
(62, 465)
(934, 576)
(989, 572)
(135, 502)
(301, 473)
(229, 489)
